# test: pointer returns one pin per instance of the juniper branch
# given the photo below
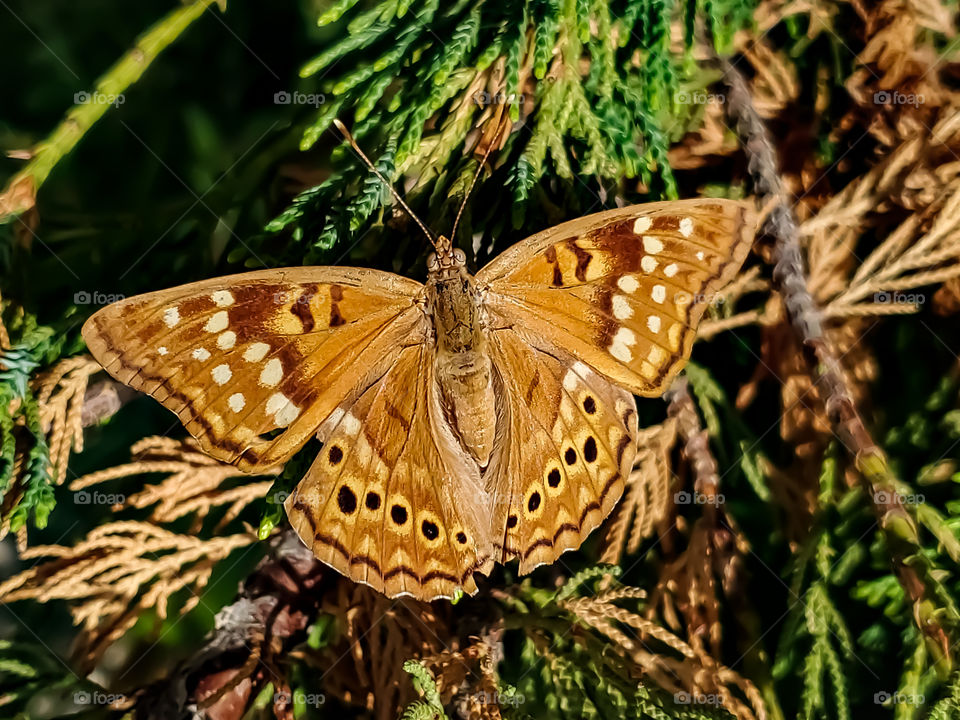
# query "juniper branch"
(806, 318)
(20, 192)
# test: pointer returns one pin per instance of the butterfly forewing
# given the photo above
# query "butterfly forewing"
(252, 364)
(623, 290)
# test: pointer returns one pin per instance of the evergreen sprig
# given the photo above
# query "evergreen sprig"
(393, 72)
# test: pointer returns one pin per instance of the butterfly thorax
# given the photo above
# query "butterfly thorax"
(463, 367)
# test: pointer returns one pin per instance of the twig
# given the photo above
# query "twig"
(21, 191)
(276, 604)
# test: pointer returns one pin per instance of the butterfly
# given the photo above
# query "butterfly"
(468, 420)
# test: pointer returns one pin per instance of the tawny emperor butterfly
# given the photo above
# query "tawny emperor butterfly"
(465, 421)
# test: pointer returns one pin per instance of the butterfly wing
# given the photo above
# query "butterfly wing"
(392, 500)
(569, 439)
(622, 290)
(252, 364)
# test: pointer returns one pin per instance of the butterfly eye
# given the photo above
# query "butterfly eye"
(432, 264)
(460, 256)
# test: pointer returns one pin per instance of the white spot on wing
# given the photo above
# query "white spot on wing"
(652, 245)
(686, 227)
(581, 368)
(236, 402)
(648, 263)
(659, 293)
(222, 298)
(256, 352)
(272, 373)
(217, 322)
(287, 415)
(621, 352)
(351, 426)
(620, 346)
(628, 284)
(670, 270)
(162, 350)
(284, 412)
(201, 354)
(227, 340)
(570, 381)
(653, 323)
(171, 316)
(642, 225)
(699, 254)
(621, 308)
(221, 374)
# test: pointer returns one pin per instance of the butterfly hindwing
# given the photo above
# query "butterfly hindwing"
(392, 500)
(253, 363)
(569, 438)
(623, 290)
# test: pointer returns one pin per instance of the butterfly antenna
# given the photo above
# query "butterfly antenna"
(476, 176)
(356, 148)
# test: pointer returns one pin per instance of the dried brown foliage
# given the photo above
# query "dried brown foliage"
(116, 573)
(669, 661)
(124, 568)
(376, 635)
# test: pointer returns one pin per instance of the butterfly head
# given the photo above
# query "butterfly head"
(447, 261)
